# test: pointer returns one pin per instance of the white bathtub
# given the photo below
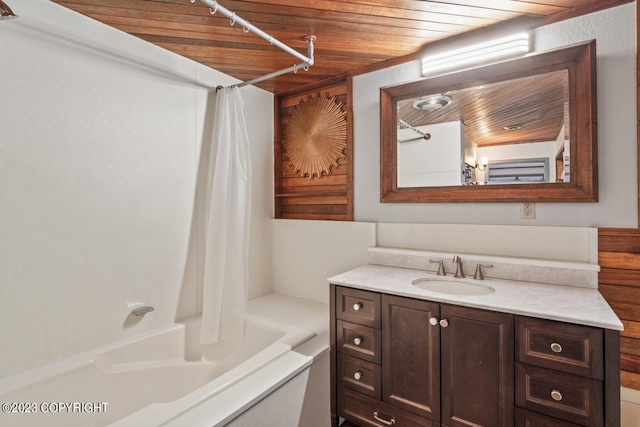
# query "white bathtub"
(165, 377)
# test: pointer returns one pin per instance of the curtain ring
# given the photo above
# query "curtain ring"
(295, 69)
(232, 21)
(214, 9)
(306, 67)
(192, 1)
(270, 39)
(246, 28)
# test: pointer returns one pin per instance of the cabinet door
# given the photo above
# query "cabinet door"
(477, 368)
(411, 356)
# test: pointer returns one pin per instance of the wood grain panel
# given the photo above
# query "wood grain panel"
(620, 277)
(623, 260)
(329, 197)
(630, 346)
(630, 380)
(631, 329)
(487, 110)
(351, 35)
(630, 362)
(619, 257)
(630, 295)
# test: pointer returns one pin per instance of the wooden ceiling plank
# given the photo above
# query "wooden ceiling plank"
(354, 9)
(353, 50)
(523, 7)
(353, 35)
(295, 11)
(201, 35)
(301, 25)
(482, 9)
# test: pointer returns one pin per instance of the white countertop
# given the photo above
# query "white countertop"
(554, 302)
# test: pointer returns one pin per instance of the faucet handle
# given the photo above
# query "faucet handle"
(479, 275)
(441, 271)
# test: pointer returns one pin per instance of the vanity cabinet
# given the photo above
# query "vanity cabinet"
(560, 373)
(435, 364)
(400, 361)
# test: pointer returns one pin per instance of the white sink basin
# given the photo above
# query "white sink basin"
(452, 287)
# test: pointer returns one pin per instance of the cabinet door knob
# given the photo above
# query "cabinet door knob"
(556, 395)
(357, 306)
(433, 321)
(357, 340)
(357, 376)
(556, 348)
(444, 323)
(390, 422)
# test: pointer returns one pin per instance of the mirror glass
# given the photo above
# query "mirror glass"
(520, 130)
(510, 132)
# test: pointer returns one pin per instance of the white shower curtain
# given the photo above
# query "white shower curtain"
(228, 211)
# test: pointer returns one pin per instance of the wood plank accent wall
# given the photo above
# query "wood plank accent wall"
(326, 198)
(619, 258)
(619, 279)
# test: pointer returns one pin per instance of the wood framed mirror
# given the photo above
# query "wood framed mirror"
(523, 130)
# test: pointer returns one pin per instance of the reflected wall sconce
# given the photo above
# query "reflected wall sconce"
(6, 12)
(484, 163)
(475, 54)
(469, 170)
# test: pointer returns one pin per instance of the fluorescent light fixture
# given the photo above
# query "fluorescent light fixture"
(491, 51)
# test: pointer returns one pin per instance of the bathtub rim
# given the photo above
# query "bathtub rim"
(294, 337)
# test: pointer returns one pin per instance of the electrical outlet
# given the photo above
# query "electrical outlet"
(528, 211)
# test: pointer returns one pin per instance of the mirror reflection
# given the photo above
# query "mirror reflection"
(510, 132)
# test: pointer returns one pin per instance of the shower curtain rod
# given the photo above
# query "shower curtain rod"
(307, 61)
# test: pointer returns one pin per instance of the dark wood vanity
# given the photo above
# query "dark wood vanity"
(412, 362)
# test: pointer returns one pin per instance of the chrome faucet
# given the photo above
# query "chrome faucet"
(479, 275)
(441, 270)
(459, 270)
(142, 310)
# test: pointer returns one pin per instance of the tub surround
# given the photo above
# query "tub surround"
(173, 380)
(573, 304)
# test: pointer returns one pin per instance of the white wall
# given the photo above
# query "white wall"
(614, 30)
(307, 253)
(437, 161)
(99, 150)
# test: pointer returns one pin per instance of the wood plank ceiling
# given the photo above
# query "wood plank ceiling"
(351, 34)
(493, 114)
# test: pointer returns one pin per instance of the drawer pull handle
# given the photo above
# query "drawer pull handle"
(444, 323)
(556, 348)
(383, 421)
(357, 376)
(556, 395)
(357, 340)
(357, 306)
(433, 321)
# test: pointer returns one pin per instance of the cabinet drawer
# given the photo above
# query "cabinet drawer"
(568, 397)
(563, 347)
(359, 375)
(531, 419)
(358, 306)
(359, 341)
(368, 412)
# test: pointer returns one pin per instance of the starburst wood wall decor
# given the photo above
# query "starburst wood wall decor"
(316, 135)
